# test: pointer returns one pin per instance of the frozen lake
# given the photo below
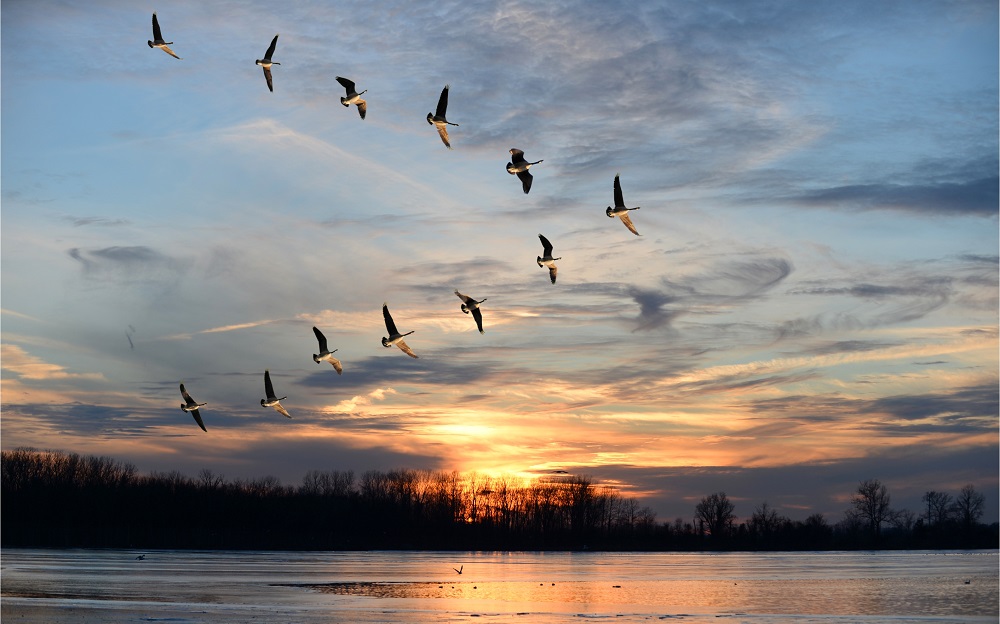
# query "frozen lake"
(98, 586)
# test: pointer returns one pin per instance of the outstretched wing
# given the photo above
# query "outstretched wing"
(362, 108)
(187, 397)
(406, 349)
(267, 77)
(389, 325)
(169, 51)
(336, 365)
(281, 410)
(546, 246)
(347, 84)
(516, 155)
(478, 315)
(552, 273)
(270, 49)
(442, 107)
(268, 388)
(525, 179)
(157, 35)
(464, 298)
(619, 202)
(321, 339)
(197, 419)
(443, 133)
(628, 223)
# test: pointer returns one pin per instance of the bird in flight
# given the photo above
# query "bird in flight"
(519, 166)
(158, 41)
(395, 338)
(471, 305)
(266, 63)
(353, 97)
(438, 118)
(325, 354)
(547, 259)
(620, 210)
(459, 568)
(191, 407)
(271, 400)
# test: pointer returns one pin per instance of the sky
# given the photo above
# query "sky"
(812, 302)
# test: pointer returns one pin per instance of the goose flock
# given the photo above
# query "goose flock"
(518, 166)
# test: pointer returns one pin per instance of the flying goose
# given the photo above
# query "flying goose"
(547, 259)
(158, 41)
(395, 338)
(266, 63)
(459, 568)
(438, 117)
(620, 210)
(353, 97)
(191, 407)
(471, 305)
(271, 400)
(325, 354)
(519, 166)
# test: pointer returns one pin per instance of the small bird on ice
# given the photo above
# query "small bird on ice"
(272, 400)
(437, 118)
(266, 63)
(158, 41)
(325, 354)
(519, 166)
(395, 338)
(547, 259)
(353, 97)
(471, 305)
(191, 407)
(620, 210)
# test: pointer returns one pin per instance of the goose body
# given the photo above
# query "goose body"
(266, 63)
(325, 355)
(519, 166)
(619, 210)
(191, 406)
(158, 41)
(470, 305)
(438, 117)
(272, 400)
(395, 338)
(353, 97)
(546, 258)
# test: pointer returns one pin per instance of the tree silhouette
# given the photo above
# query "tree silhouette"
(715, 513)
(871, 502)
(969, 506)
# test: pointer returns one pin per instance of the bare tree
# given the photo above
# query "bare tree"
(872, 504)
(715, 513)
(969, 506)
(938, 507)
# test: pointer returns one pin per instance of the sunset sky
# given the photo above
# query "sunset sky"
(812, 302)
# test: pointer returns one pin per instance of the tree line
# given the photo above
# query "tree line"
(56, 499)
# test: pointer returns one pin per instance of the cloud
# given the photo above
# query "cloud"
(973, 197)
(16, 360)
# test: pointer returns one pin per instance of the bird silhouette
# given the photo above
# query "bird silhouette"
(325, 355)
(189, 405)
(272, 400)
(439, 119)
(546, 259)
(266, 63)
(471, 305)
(158, 41)
(620, 210)
(395, 338)
(519, 166)
(353, 97)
